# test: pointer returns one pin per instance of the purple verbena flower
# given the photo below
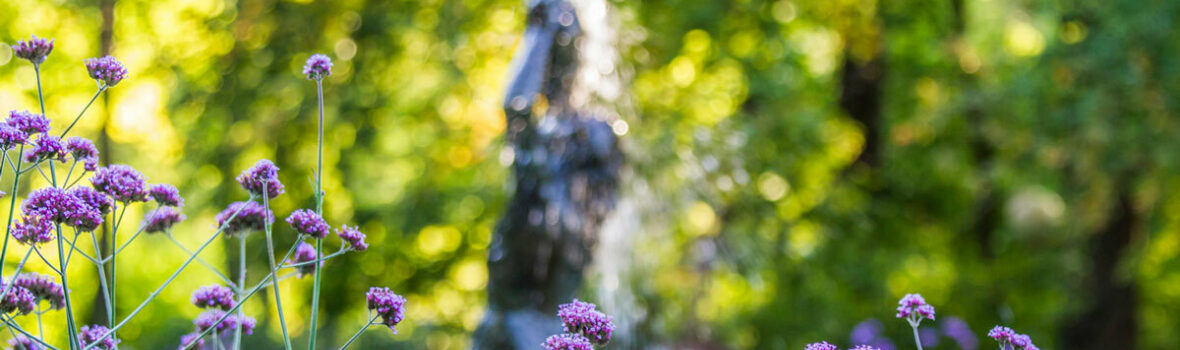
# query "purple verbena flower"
(107, 70)
(94, 334)
(567, 342)
(121, 182)
(1001, 334)
(46, 147)
(162, 219)
(309, 223)
(214, 296)
(166, 194)
(304, 254)
(29, 123)
(353, 237)
(1009, 339)
(583, 318)
(317, 67)
(957, 329)
(35, 49)
(913, 308)
(264, 173)
(33, 229)
(93, 198)
(81, 148)
(43, 287)
(17, 299)
(250, 217)
(90, 164)
(390, 306)
(191, 341)
(11, 137)
(866, 331)
(208, 319)
(820, 346)
(21, 342)
(53, 203)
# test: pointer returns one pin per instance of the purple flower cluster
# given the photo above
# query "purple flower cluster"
(94, 333)
(33, 229)
(83, 151)
(46, 147)
(35, 49)
(162, 219)
(309, 223)
(390, 306)
(914, 308)
(166, 194)
(567, 342)
(820, 346)
(43, 287)
(264, 173)
(27, 122)
(317, 67)
(871, 332)
(108, 71)
(958, 330)
(17, 299)
(214, 296)
(121, 182)
(208, 319)
(62, 207)
(583, 318)
(21, 342)
(191, 341)
(11, 137)
(250, 217)
(353, 237)
(305, 253)
(1010, 340)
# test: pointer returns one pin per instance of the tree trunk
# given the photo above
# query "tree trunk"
(1110, 319)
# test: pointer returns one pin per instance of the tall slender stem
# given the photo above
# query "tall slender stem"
(114, 253)
(102, 280)
(270, 259)
(63, 133)
(358, 333)
(319, 209)
(203, 262)
(238, 290)
(917, 339)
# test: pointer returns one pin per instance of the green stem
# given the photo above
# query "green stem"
(270, 258)
(241, 282)
(325, 258)
(102, 280)
(63, 133)
(12, 325)
(319, 209)
(917, 340)
(61, 258)
(203, 262)
(114, 253)
(358, 333)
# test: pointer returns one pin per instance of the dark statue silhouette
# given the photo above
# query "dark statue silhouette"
(566, 174)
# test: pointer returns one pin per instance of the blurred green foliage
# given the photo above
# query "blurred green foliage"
(747, 220)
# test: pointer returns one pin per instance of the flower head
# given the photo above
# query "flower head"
(33, 229)
(304, 254)
(94, 333)
(214, 296)
(35, 49)
(309, 223)
(166, 194)
(52, 203)
(191, 341)
(11, 137)
(121, 182)
(1001, 334)
(957, 329)
(93, 198)
(21, 342)
(264, 173)
(567, 342)
(46, 147)
(250, 217)
(43, 287)
(208, 319)
(162, 219)
(27, 122)
(17, 299)
(353, 237)
(583, 318)
(108, 71)
(81, 148)
(1009, 339)
(913, 308)
(317, 67)
(390, 306)
(820, 346)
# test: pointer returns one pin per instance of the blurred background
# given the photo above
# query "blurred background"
(792, 167)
